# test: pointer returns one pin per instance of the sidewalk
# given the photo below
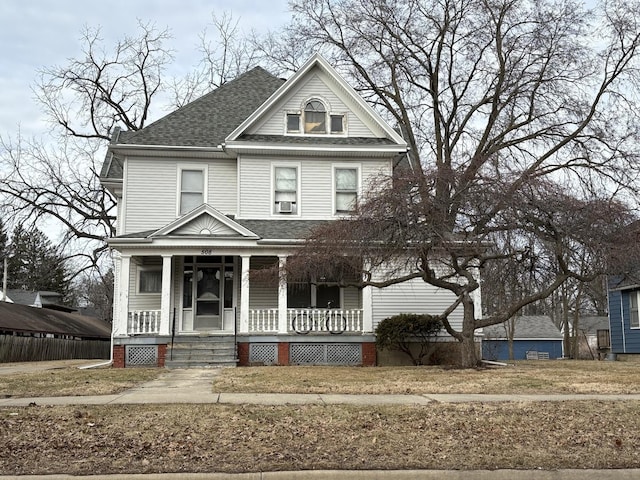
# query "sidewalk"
(195, 386)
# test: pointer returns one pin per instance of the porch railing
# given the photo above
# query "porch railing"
(143, 321)
(266, 320)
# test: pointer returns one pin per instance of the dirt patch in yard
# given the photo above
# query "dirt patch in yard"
(222, 438)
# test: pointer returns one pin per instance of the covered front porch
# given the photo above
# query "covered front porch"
(216, 294)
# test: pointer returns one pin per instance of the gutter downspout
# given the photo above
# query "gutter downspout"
(103, 364)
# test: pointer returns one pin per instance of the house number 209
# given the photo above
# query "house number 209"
(206, 251)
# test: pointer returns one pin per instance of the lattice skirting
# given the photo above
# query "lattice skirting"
(141, 355)
(263, 353)
(325, 354)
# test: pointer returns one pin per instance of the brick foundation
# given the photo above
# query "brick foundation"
(283, 354)
(162, 355)
(369, 354)
(243, 354)
(118, 356)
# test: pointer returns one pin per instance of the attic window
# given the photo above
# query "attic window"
(293, 122)
(315, 117)
(337, 123)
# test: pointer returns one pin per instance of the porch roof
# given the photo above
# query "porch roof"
(264, 229)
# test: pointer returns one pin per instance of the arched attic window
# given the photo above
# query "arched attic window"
(315, 117)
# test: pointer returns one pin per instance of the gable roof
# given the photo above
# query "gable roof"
(26, 319)
(204, 218)
(591, 324)
(526, 327)
(208, 120)
(316, 61)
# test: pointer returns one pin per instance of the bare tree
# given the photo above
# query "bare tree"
(90, 95)
(55, 181)
(522, 117)
(226, 52)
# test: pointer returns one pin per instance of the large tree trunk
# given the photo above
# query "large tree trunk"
(468, 352)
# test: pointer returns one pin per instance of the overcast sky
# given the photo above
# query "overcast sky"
(42, 33)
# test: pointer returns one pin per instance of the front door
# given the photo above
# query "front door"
(208, 294)
(207, 299)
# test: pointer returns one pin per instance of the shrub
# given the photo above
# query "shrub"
(402, 331)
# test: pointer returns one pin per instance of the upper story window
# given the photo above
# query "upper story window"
(285, 190)
(192, 185)
(634, 317)
(315, 119)
(346, 189)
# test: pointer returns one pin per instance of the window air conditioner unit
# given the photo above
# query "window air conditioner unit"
(285, 207)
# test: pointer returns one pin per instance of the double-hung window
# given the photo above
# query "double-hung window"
(346, 189)
(192, 184)
(150, 281)
(285, 190)
(634, 317)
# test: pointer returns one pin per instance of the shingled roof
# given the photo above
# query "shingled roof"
(26, 319)
(526, 327)
(207, 121)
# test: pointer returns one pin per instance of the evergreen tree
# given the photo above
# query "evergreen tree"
(36, 265)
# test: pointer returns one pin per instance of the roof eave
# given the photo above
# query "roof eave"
(381, 150)
(167, 150)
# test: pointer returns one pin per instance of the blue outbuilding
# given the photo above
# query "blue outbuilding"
(624, 319)
(534, 337)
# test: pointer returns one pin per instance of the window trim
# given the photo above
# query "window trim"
(140, 271)
(205, 183)
(636, 294)
(334, 191)
(298, 201)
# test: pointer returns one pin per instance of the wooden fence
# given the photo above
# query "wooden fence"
(32, 349)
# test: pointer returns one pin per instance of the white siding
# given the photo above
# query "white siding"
(315, 86)
(144, 301)
(150, 194)
(152, 184)
(414, 296)
(352, 298)
(223, 181)
(262, 294)
(316, 184)
(255, 188)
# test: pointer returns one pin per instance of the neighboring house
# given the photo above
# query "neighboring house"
(624, 320)
(593, 337)
(29, 333)
(534, 337)
(231, 183)
(40, 299)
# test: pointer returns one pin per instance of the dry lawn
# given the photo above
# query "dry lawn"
(73, 381)
(223, 438)
(533, 377)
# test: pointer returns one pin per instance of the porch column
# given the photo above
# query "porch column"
(244, 294)
(367, 309)
(121, 319)
(165, 299)
(283, 323)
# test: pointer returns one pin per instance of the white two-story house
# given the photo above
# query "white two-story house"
(233, 182)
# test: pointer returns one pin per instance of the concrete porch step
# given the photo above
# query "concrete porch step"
(198, 352)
